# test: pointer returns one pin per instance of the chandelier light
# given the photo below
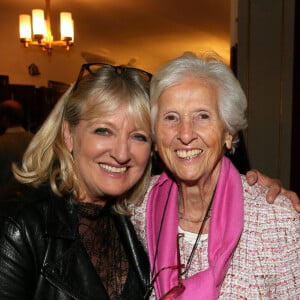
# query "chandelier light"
(39, 34)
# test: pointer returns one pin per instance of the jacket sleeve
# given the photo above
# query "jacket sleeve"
(17, 265)
(271, 238)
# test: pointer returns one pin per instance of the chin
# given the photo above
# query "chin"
(188, 177)
(114, 192)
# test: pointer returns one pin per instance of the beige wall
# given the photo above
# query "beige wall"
(148, 32)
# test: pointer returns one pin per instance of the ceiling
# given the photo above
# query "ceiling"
(144, 33)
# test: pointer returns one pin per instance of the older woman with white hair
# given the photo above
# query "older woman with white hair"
(209, 233)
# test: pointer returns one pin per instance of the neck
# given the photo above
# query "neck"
(96, 200)
(194, 200)
(195, 196)
(193, 208)
(206, 217)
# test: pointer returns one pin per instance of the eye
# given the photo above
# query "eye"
(202, 115)
(171, 117)
(102, 131)
(140, 137)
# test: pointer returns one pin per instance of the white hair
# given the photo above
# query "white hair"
(232, 101)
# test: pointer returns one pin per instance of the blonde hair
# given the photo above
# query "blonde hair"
(48, 160)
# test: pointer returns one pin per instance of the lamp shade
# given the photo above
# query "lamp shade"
(66, 26)
(35, 30)
(38, 22)
(25, 27)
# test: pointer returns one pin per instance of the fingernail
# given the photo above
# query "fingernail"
(251, 178)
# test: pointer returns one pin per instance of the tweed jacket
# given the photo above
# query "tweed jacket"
(42, 257)
(266, 262)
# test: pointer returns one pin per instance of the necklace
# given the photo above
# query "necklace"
(182, 217)
(189, 261)
(207, 215)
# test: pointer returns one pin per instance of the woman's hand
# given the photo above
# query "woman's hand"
(275, 187)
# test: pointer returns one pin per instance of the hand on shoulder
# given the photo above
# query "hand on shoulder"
(275, 187)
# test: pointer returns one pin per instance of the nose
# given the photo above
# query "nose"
(121, 151)
(186, 132)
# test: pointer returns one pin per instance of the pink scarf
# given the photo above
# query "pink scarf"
(226, 225)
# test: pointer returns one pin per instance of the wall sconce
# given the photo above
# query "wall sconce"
(39, 34)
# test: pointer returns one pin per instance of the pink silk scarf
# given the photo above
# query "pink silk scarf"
(226, 226)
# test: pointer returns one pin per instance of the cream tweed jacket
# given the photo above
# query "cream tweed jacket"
(266, 263)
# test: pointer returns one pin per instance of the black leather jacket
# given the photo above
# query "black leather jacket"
(42, 257)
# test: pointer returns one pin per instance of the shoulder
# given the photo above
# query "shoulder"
(143, 204)
(267, 255)
(17, 214)
(23, 224)
(30, 211)
(28, 135)
(152, 182)
(16, 138)
(263, 216)
(30, 198)
(256, 196)
(138, 218)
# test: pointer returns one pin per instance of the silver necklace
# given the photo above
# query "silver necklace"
(207, 215)
(182, 217)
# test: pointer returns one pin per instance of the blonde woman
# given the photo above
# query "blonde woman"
(71, 239)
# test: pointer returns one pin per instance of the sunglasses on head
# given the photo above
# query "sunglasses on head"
(92, 68)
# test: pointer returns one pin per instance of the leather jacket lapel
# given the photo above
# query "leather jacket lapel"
(66, 262)
(69, 268)
(134, 249)
(74, 274)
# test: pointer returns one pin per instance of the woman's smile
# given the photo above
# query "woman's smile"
(188, 154)
(112, 169)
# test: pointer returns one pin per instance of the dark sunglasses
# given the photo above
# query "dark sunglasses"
(92, 68)
(177, 290)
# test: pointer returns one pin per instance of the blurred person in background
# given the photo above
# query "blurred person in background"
(13, 143)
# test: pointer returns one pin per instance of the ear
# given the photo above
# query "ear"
(68, 136)
(228, 140)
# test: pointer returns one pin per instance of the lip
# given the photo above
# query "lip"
(113, 170)
(188, 154)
